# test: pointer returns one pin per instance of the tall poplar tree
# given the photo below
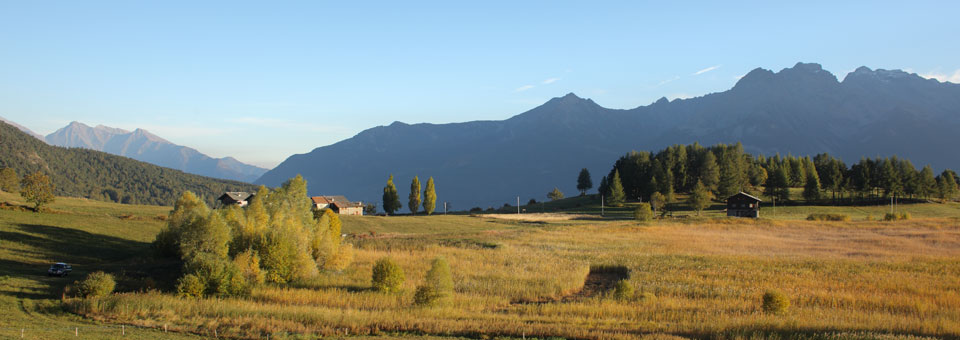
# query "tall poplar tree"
(414, 199)
(391, 201)
(429, 197)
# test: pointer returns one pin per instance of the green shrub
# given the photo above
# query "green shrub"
(904, 215)
(623, 290)
(191, 286)
(438, 284)
(828, 217)
(643, 213)
(889, 217)
(775, 302)
(96, 284)
(387, 276)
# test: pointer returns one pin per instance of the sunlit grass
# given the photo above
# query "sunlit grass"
(846, 280)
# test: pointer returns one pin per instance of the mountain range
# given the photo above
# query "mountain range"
(802, 110)
(144, 146)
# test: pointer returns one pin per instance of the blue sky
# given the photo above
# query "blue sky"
(263, 80)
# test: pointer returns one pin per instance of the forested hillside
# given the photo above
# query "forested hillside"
(98, 175)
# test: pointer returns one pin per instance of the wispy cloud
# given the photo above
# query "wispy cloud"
(523, 88)
(666, 81)
(943, 77)
(549, 81)
(708, 69)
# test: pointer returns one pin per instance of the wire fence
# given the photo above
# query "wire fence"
(109, 332)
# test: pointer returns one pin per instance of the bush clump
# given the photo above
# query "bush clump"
(191, 286)
(387, 276)
(623, 290)
(437, 286)
(828, 217)
(96, 284)
(775, 302)
(895, 217)
(643, 212)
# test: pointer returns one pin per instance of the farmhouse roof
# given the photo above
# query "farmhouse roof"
(340, 201)
(319, 200)
(236, 195)
(747, 195)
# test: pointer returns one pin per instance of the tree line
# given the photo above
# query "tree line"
(723, 170)
(391, 199)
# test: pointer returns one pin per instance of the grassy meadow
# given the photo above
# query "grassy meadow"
(694, 277)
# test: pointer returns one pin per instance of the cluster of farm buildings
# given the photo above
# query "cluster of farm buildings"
(339, 204)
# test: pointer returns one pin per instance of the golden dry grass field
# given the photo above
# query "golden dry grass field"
(693, 278)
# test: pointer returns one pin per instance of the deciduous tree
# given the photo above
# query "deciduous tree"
(36, 188)
(700, 197)
(413, 201)
(9, 181)
(429, 197)
(556, 194)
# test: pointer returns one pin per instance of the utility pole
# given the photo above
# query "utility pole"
(444, 208)
(518, 205)
(774, 205)
(601, 205)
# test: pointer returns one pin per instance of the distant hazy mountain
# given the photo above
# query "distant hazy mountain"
(144, 146)
(81, 172)
(22, 128)
(802, 110)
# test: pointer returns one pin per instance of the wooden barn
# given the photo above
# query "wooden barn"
(743, 205)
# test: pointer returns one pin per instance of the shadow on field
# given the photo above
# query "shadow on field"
(85, 251)
(73, 246)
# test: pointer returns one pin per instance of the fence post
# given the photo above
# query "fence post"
(123, 329)
(76, 331)
(164, 328)
(21, 332)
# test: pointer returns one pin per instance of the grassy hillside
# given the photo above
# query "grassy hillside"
(98, 175)
(88, 234)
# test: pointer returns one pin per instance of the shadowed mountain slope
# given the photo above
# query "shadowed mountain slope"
(803, 110)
